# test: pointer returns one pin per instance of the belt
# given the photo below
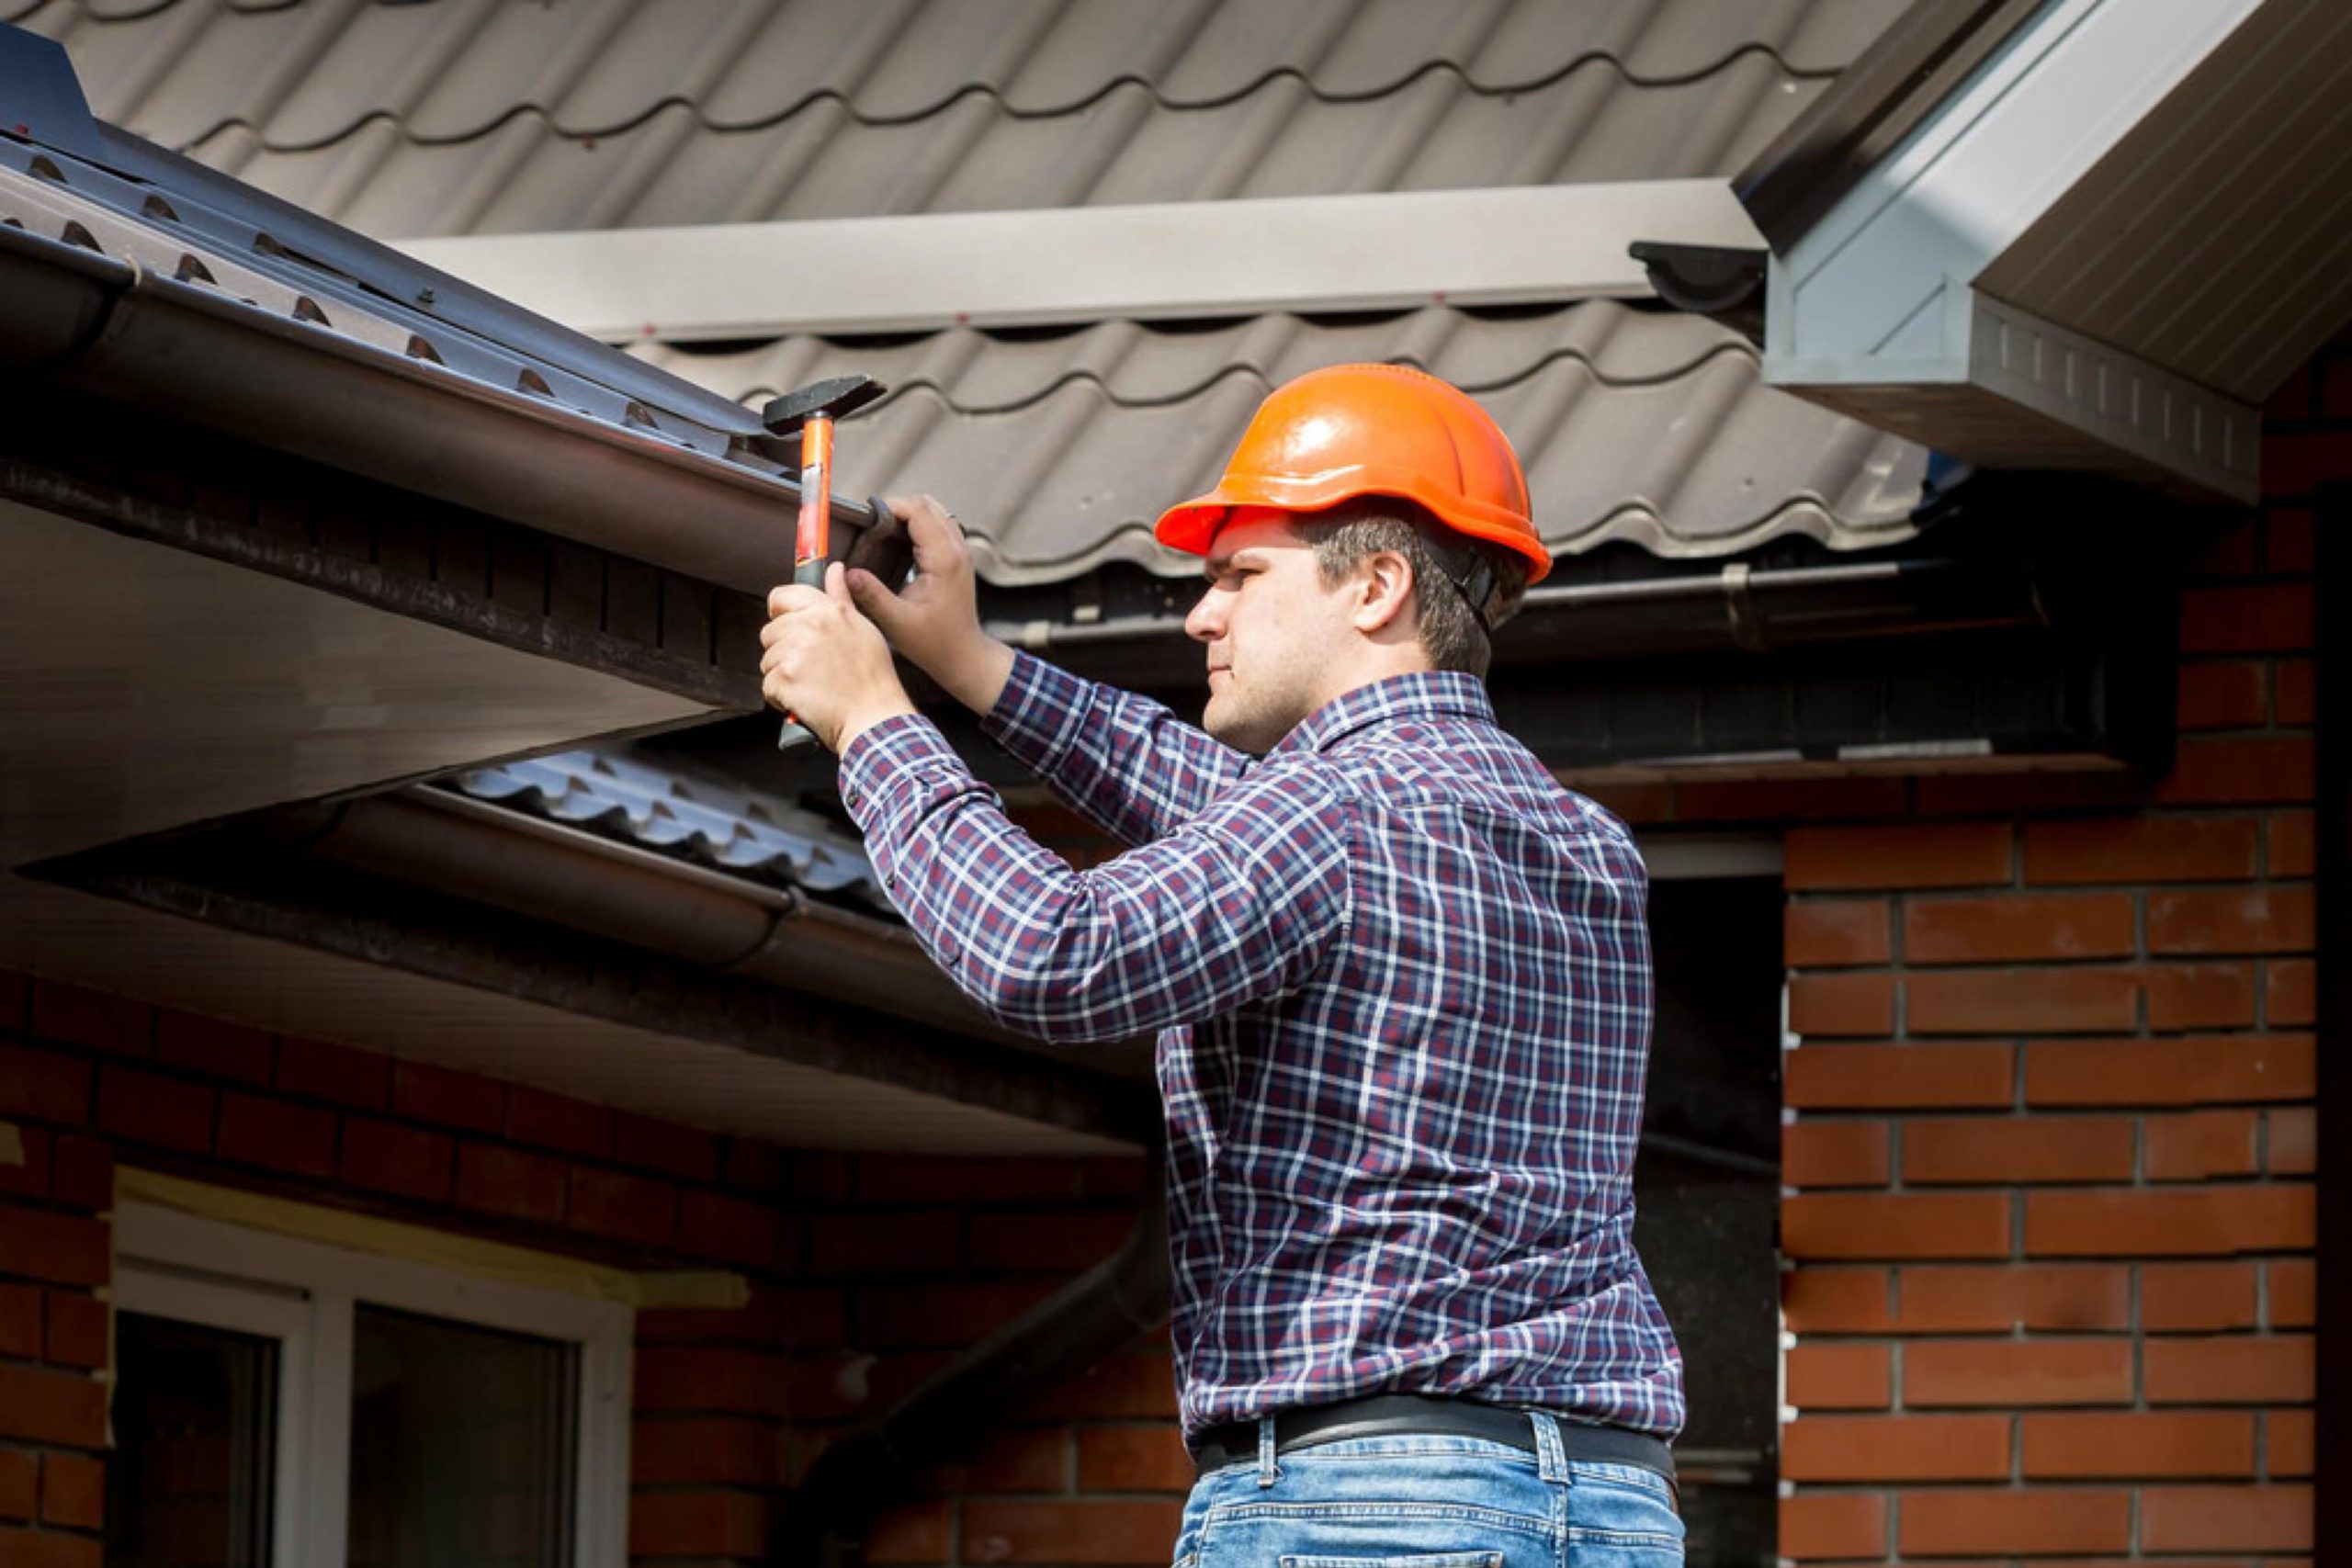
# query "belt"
(1393, 1414)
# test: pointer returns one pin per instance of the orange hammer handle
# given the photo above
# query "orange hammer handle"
(814, 540)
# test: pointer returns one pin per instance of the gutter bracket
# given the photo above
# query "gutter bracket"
(1739, 609)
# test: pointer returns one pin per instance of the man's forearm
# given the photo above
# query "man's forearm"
(975, 676)
(1122, 762)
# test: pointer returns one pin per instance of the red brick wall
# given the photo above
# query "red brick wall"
(866, 1274)
(2051, 1228)
(918, 1257)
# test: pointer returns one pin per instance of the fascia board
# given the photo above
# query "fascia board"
(1176, 260)
(2117, 399)
(2022, 370)
(1977, 174)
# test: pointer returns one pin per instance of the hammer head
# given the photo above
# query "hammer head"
(837, 397)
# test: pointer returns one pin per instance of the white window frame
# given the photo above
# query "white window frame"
(301, 1294)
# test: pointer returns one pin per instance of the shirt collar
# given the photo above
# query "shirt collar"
(1425, 693)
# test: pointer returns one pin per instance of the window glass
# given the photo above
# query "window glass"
(189, 1481)
(461, 1445)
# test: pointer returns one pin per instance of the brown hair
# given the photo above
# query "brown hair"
(1453, 632)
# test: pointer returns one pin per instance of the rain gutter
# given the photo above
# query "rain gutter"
(179, 347)
(546, 870)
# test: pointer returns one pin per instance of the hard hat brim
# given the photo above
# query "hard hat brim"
(1191, 527)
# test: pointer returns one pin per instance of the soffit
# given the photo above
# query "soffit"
(298, 990)
(2212, 239)
(469, 116)
(1059, 450)
(143, 687)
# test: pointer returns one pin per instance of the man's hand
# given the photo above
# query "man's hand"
(825, 664)
(935, 619)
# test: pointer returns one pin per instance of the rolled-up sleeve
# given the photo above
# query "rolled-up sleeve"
(1243, 900)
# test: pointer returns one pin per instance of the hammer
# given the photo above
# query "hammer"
(810, 414)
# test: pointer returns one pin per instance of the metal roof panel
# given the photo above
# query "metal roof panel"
(456, 116)
(1059, 450)
(668, 805)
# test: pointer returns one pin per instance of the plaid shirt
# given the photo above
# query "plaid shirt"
(1402, 984)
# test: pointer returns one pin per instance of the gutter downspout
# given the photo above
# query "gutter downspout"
(2332, 739)
(874, 1464)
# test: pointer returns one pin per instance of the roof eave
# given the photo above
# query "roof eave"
(2096, 246)
(156, 345)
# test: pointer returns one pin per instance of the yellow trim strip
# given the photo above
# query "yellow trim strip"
(712, 1289)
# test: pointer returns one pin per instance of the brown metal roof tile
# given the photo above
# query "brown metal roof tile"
(1061, 448)
(474, 115)
(1277, 141)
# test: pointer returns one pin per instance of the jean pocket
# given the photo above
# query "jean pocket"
(1416, 1560)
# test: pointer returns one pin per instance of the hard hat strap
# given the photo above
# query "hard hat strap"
(1476, 582)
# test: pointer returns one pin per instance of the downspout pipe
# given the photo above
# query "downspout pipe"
(882, 1462)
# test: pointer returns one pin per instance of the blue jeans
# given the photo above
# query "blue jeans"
(1427, 1501)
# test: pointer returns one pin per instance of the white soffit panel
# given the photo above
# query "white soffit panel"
(142, 687)
(1171, 261)
(1875, 303)
(291, 989)
(1992, 159)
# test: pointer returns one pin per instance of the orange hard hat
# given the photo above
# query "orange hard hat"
(1352, 430)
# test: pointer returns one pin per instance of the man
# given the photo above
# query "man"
(1400, 976)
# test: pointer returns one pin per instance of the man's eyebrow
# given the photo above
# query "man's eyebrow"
(1217, 565)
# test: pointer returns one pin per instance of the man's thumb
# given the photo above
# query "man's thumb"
(865, 590)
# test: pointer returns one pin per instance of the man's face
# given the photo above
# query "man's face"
(1273, 629)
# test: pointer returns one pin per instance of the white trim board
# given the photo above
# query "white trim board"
(181, 1266)
(1167, 261)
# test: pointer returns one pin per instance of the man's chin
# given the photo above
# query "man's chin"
(1237, 731)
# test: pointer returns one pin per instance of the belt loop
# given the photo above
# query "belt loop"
(1551, 1459)
(1268, 1470)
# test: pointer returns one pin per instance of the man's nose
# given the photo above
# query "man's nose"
(1203, 624)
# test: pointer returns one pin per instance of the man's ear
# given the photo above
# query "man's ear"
(1384, 588)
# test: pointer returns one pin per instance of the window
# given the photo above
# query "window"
(279, 1400)
(1707, 1185)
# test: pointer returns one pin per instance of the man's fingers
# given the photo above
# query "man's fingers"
(932, 529)
(788, 597)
